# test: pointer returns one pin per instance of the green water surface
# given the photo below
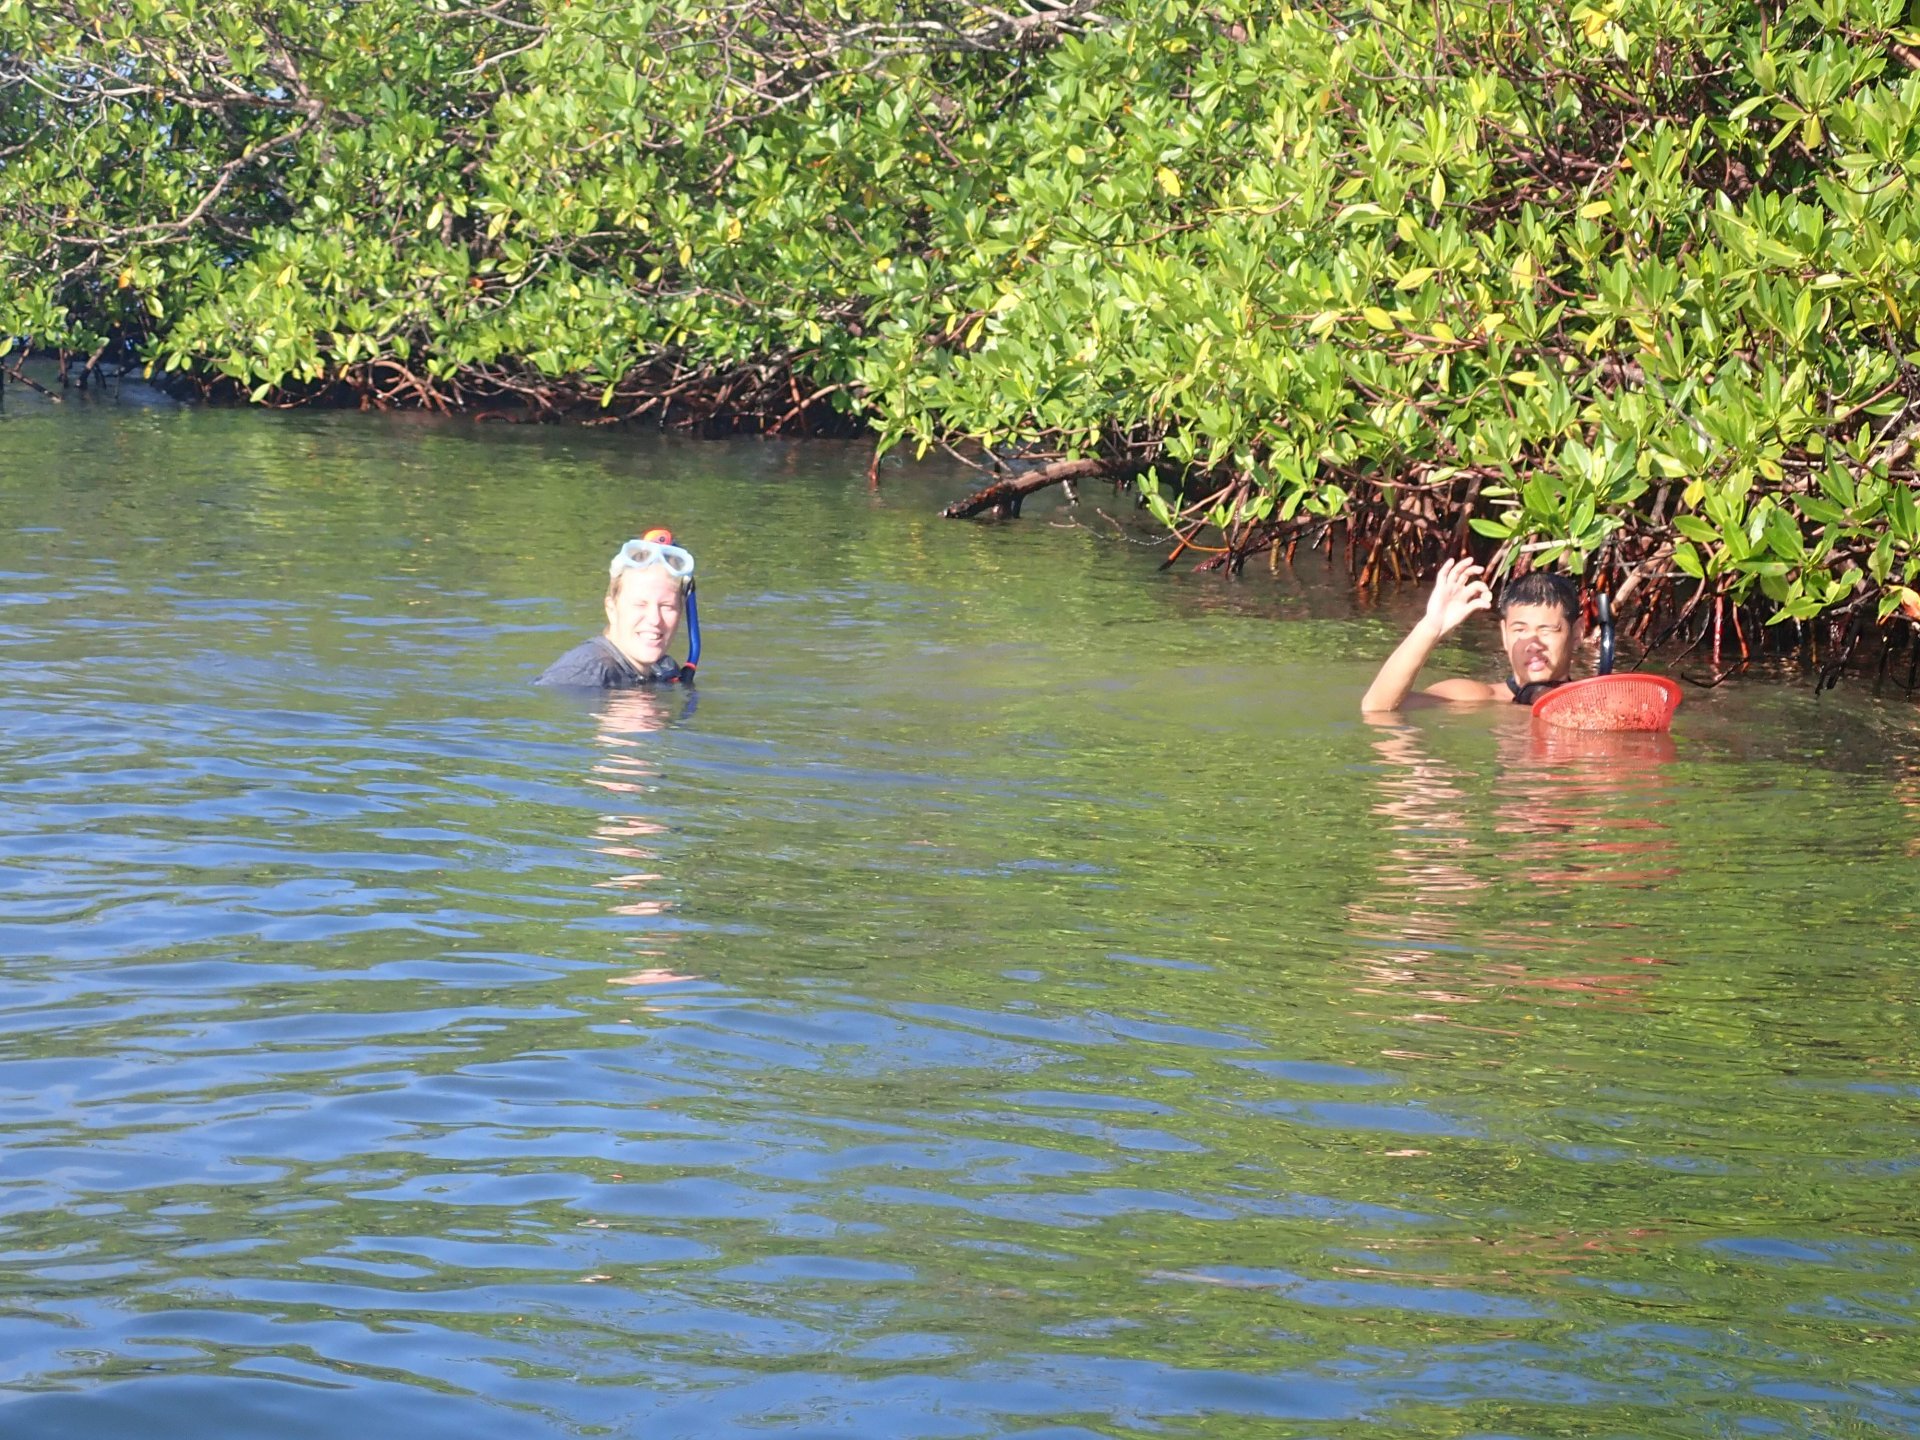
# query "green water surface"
(1020, 996)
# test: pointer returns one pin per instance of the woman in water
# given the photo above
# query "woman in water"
(649, 589)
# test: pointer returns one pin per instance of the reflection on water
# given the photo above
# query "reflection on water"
(1560, 809)
(626, 718)
(1414, 910)
(1021, 997)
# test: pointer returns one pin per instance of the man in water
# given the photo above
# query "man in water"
(646, 597)
(1539, 630)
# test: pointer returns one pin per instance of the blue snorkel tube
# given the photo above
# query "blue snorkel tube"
(693, 636)
(656, 547)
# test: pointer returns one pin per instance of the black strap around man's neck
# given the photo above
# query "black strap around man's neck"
(1527, 694)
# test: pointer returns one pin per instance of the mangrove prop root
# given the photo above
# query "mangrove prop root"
(18, 372)
(1399, 532)
(767, 398)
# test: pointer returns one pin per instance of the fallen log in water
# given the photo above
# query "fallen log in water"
(1004, 497)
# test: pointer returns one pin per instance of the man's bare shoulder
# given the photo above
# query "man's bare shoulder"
(1466, 691)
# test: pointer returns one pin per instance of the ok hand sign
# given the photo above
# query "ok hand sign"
(1458, 592)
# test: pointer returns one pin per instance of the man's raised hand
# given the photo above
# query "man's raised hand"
(1458, 592)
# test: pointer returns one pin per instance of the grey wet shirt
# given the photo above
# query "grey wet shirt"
(597, 665)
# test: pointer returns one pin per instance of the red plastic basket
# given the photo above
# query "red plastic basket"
(1611, 702)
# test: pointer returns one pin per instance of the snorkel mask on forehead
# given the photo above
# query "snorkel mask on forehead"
(656, 547)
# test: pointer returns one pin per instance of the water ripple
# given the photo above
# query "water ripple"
(925, 1030)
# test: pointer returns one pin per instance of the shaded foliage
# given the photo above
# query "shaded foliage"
(1626, 286)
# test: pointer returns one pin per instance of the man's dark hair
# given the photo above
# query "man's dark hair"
(1537, 587)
